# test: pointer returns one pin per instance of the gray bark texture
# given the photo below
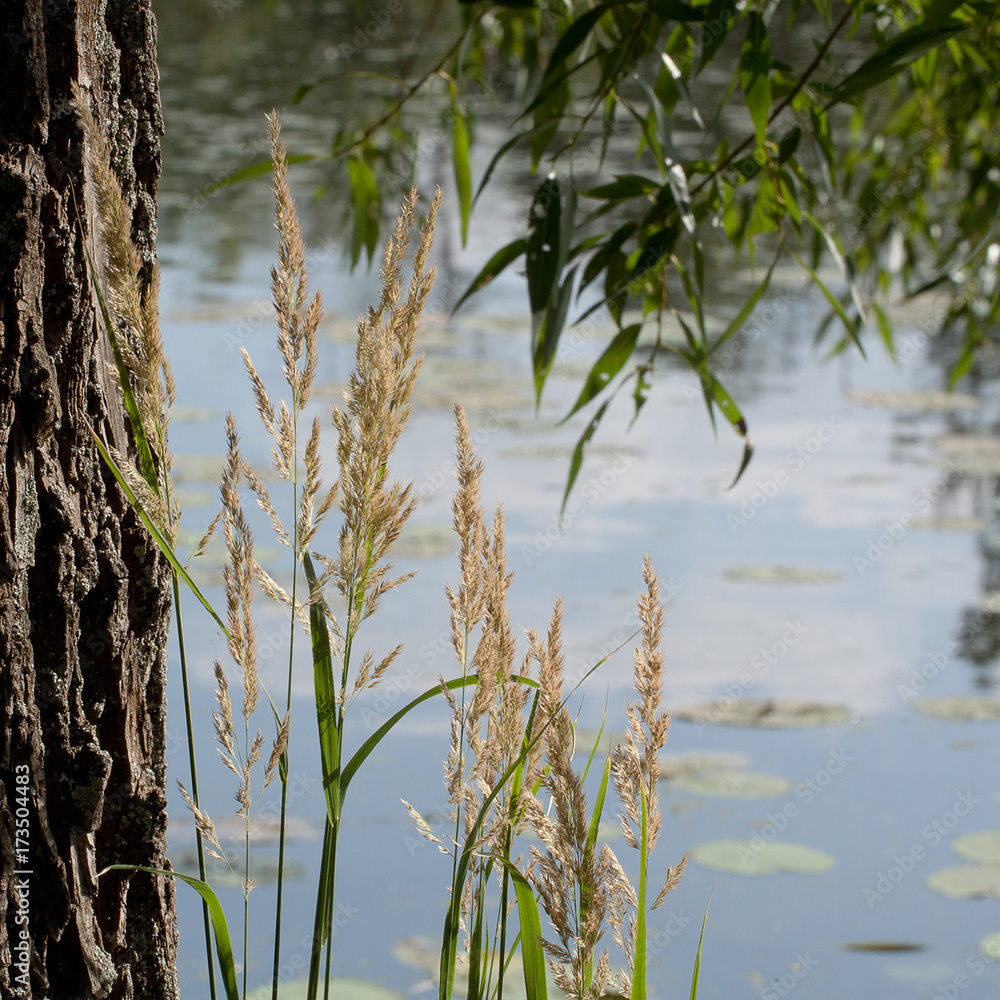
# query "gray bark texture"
(84, 593)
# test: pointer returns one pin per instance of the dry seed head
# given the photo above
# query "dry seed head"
(142, 347)
(277, 750)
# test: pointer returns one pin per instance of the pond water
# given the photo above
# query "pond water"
(854, 565)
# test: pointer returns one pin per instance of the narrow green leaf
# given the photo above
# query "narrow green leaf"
(899, 53)
(325, 695)
(748, 308)
(547, 117)
(220, 928)
(672, 167)
(498, 156)
(543, 246)
(718, 17)
(607, 366)
(574, 36)
(678, 78)
(162, 543)
(885, 329)
(366, 748)
(843, 263)
(366, 200)
(788, 143)
(497, 263)
(546, 342)
(755, 69)
(577, 460)
(463, 172)
(697, 958)
(836, 304)
(263, 168)
(677, 10)
(532, 955)
(623, 187)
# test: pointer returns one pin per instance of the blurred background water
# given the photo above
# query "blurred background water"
(858, 552)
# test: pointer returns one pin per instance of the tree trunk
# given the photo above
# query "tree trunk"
(84, 594)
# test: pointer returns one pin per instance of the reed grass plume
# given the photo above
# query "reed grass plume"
(133, 303)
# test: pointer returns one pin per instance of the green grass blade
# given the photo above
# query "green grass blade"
(325, 693)
(639, 960)
(323, 919)
(223, 943)
(697, 957)
(463, 172)
(362, 753)
(532, 955)
(165, 547)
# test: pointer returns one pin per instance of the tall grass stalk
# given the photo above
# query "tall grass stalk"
(143, 373)
(509, 768)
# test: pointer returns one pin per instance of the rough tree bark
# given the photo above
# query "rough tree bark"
(83, 592)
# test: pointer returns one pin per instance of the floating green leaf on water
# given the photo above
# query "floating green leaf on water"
(928, 401)
(342, 989)
(673, 765)
(982, 847)
(990, 946)
(928, 971)
(422, 953)
(425, 541)
(882, 946)
(761, 857)
(945, 523)
(263, 869)
(266, 831)
(782, 574)
(960, 708)
(776, 713)
(733, 785)
(965, 882)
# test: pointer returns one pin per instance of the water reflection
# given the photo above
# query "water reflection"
(812, 503)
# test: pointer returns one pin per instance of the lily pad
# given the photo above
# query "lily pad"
(426, 541)
(990, 946)
(342, 989)
(927, 401)
(782, 574)
(263, 868)
(673, 765)
(266, 831)
(424, 953)
(882, 946)
(761, 857)
(965, 882)
(982, 847)
(733, 785)
(948, 523)
(777, 713)
(960, 708)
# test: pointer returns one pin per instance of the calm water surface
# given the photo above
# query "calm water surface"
(894, 539)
